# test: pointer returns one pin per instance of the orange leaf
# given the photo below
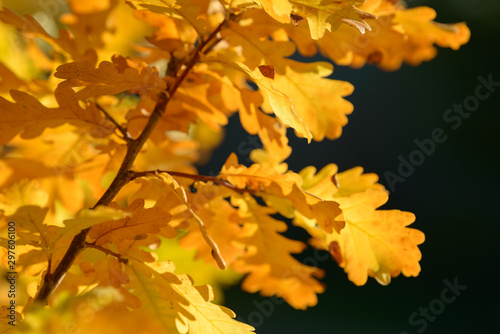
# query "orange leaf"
(110, 78)
(29, 117)
(142, 221)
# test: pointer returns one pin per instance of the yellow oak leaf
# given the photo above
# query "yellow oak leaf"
(156, 192)
(271, 133)
(325, 182)
(321, 15)
(279, 10)
(422, 32)
(109, 78)
(64, 161)
(374, 243)
(221, 221)
(171, 40)
(399, 35)
(283, 191)
(202, 267)
(101, 310)
(29, 220)
(193, 311)
(272, 269)
(25, 203)
(30, 117)
(328, 15)
(205, 96)
(355, 181)
(180, 193)
(87, 218)
(279, 102)
(141, 221)
(151, 302)
(317, 101)
(377, 242)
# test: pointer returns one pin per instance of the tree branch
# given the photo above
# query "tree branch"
(134, 146)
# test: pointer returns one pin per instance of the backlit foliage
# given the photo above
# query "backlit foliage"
(102, 122)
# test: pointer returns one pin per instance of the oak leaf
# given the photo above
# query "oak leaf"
(317, 101)
(26, 115)
(87, 218)
(110, 78)
(271, 133)
(283, 191)
(271, 268)
(141, 221)
(328, 15)
(279, 102)
(321, 15)
(221, 221)
(166, 192)
(373, 242)
(399, 35)
(193, 310)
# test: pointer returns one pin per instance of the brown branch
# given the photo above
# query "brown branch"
(134, 175)
(107, 251)
(134, 146)
(125, 134)
(195, 57)
(78, 244)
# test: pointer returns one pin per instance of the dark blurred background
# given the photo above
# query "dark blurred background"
(454, 193)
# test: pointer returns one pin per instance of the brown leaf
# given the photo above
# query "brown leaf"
(267, 71)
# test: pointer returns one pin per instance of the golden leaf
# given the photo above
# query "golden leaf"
(141, 221)
(109, 78)
(280, 103)
(193, 310)
(373, 242)
(272, 269)
(29, 117)
(315, 100)
(283, 191)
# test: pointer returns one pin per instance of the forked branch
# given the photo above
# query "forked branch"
(134, 146)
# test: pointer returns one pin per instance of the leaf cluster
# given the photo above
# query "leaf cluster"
(100, 139)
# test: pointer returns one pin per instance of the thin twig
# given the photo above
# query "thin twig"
(125, 134)
(134, 175)
(107, 251)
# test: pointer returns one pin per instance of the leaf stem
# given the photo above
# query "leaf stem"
(107, 251)
(124, 132)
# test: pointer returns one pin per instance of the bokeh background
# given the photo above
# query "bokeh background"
(454, 193)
